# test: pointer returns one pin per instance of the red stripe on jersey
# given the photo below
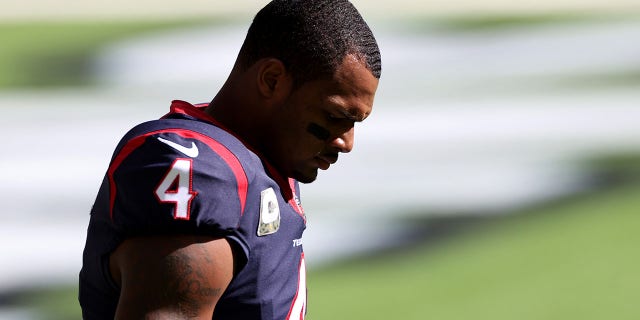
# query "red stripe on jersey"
(228, 157)
(132, 145)
(294, 202)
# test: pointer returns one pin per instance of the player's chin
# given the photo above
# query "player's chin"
(306, 176)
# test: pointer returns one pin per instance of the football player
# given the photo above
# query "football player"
(198, 215)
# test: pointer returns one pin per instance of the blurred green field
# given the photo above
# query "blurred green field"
(576, 260)
(59, 54)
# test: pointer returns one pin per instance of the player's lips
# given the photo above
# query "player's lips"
(324, 162)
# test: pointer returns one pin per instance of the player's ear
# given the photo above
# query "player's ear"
(274, 82)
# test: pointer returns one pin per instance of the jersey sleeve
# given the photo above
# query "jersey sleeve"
(176, 181)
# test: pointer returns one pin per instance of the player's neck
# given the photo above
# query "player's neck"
(237, 112)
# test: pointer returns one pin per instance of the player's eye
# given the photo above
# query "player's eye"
(334, 118)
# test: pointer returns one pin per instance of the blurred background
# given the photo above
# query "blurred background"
(498, 177)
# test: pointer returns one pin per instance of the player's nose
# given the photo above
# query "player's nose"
(344, 142)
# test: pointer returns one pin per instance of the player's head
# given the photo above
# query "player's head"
(311, 37)
(317, 65)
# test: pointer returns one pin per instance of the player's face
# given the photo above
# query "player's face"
(317, 120)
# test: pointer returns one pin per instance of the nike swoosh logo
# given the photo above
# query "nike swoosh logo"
(190, 151)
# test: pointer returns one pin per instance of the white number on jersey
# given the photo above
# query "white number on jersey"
(177, 188)
(299, 305)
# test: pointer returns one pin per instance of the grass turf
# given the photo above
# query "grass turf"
(577, 260)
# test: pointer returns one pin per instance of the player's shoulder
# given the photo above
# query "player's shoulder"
(203, 142)
(171, 170)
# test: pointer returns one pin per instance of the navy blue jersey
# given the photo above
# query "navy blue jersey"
(185, 174)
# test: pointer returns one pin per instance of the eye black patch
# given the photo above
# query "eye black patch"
(318, 131)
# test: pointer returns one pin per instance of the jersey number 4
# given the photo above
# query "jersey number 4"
(299, 304)
(177, 188)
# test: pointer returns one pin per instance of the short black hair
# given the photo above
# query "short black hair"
(311, 37)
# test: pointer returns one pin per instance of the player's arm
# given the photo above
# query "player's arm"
(171, 277)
